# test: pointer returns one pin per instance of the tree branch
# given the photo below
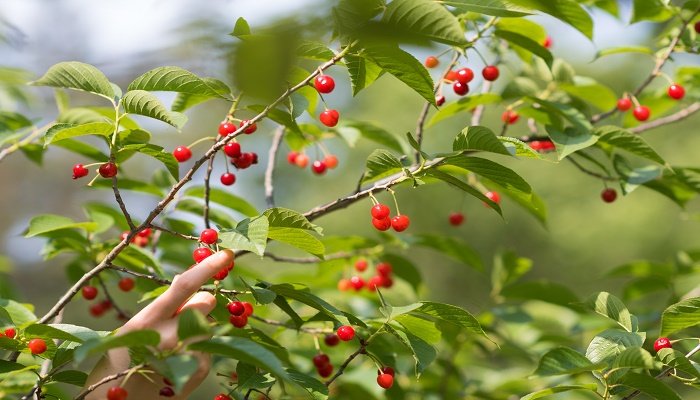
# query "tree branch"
(361, 350)
(680, 115)
(111, 300)
(178, 234)
(269, 188)
(107, 379)
(122, 206)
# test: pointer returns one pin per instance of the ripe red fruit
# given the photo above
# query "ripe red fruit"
(167, 392)
(357, 282)
(456, 218)
(331, 339)
(431, 62)
(117, 393)
(676, 91)
(209, 236)
(98, 309)
(89, 292)
(292, 157)
(465, 75)
(494, 196)
(182, 153)
(326, 370)
(222, 397)
(145, 233)
(460, 88)
(387, 370)
(608, 195)
(252, 128)
(451, 76)
(126, 284)
(382, 224)
(385, 380)
(141, 241)
(400, 223)
(624, 104)
(439, 100)
(547, 44)
(510, 116)
(239, 321)
(374, 282)
(380, 211)
(37, 346)
(662, 343)
(344, 285)
(329, 118)
(227, 128)
(331, 161)
(346, 333)
(10, 332)
(321, 360)
(236, 308)
(228, 179)
(387, 282)
(301, 160)
(79, 171)
(324, 84)
(108, 169)
(201, 253)
(384, 269)
(490, 73)
(641, 113)
(248, 309)
(361, 264)
(697, 27)
(319, 167)
(233, 149)
(221, 275)
(244, 161)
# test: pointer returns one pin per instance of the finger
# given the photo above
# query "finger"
(187, 284)
(203, 302)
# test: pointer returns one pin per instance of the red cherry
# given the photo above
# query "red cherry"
(387, 282)
(400, 223)
(331, 339)
(226, 128)
(361, 265)
(329, 118)
(431, 62)
(451, 76)
(248, 309)
(96, 310)
(228, 179)
(662, 343)
(324, 84)
(10, 332)
(493, 196)
(357, 283)
(385, 380)
(624, 104)
(230, 267)
(326, 370)
(117, 393)
(292, 157)
(374, 282)
(547, 145)
(167, 392)
(89, 292)
(222, 397)
(641, 113)
(490, 73)
(510, 116)
(221, 275)
(301, 160)
(465, 75)
(346, 333)
(319, 167)
(460, 88)
(236, 308)
(331, 161)
(145, 232)
(182, 153)
(209, 236)
(344, 285)
(233, 149)
(321, 360)
(439, 100)
(384, 269)
(536, 145)
(547, 44)
(37, 346)
(382, 224)
(244, 161)
(141, 241)
(697, 27)
(126, 284)
(79, 171)
(676, 91)
(201, 253)
(239, 321)
(380, 211)
(456, 218)
(387, 370)
(608, 195)
(108, 169)
(252, 128)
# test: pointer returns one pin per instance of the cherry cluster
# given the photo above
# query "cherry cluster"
(106, 170)
(319, 167)
(642, 113)
(207, 238)
(385, 377)
(126, 284)
(240, 311)
(382, 221)
(381, 279)
(460, 78)
(36, 346)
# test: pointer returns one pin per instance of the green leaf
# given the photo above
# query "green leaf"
(277, 115)
(173, 79)
(224, 198)
(177, 368)
(679, 316)
(452, 314)
(71, 377)
(50, 332)
(249, 234)
(565, 361)
(372, 132)
(497, 173)
(625, 140)
(9, 366)
(464, 105)
(244, 350)
(184, 101)
(404, 269)
(479, 138)
(313, 386)
(650, 10)
(568, 11)
(507, 269)
(588, 90)
(525, 34)
(546, 291)
(636, 357)
(363, 72)
(78, 76)
(422, 351)
(34, 152)
(156, 152)
(249, 377)
(144, 103)
(262, 296)
(609, 306)
(425, 18)
(631, 178)
(290, 292)
(241, 28)
(676, 359)
(451, 247)
(131, 339)
(519, 148)
(390, 311)
(46, 223)
(405, 67)
(465, 187)
(624, 49)
(133, 136)
(649, 385)
(314, 51)
(420, 326)
(498, 8)
(192, 323)
(281, 217)
(570, 140)
(381, 164)
(559, 389)
(290, 227)
(608, 344)
(20, 313)
(83, 149)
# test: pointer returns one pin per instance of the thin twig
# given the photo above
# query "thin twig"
(178, 234)
(122, 206)
(680, 115)
(361, 350)
(166, 282)
(111, 299)
(591, 173)
(314, 260)
(107, 379)
(269, 187)
(277, 323)
(207, 190)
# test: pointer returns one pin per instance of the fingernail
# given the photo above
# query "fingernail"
(225, 254)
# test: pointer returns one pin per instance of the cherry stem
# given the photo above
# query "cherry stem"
(204, 139)
(480, 56)
(634, 100)
(396, 203)
(665, 76)
(317, 344)
(374, 199)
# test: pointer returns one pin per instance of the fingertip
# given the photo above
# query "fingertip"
(226, 255)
